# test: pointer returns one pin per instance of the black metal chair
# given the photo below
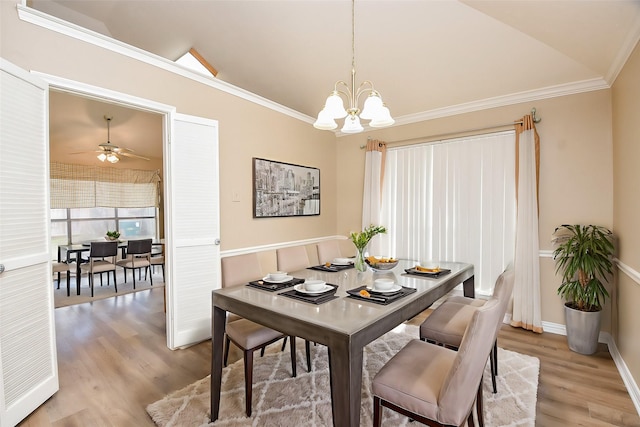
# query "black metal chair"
(102, 257)
(138, 257)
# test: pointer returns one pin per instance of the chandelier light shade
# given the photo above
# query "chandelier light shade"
(373, 110)
(108, 154)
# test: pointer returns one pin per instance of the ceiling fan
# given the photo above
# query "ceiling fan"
(111, 152)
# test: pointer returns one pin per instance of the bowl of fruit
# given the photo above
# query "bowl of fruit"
(381, 263)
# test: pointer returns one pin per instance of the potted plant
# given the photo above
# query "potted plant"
(584, 257)
(112, 235)
(361, 240)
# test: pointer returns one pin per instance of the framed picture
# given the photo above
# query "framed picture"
(283, 189)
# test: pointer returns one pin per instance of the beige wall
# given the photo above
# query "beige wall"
(626, 202)
(245, 129)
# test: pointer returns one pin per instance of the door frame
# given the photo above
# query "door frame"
(168, 112)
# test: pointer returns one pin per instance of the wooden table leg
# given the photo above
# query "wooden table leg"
(469, 287)
(345, 367)
(217, 328)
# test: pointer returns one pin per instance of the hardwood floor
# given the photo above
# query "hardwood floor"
(113, 361)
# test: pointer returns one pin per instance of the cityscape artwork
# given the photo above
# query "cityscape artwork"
(283, 189)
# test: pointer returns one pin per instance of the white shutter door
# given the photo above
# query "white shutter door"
(28, 365)
(194, 229)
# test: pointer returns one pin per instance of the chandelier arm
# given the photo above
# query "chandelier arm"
(365, 87)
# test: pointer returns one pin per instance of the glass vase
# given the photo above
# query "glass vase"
(359, 263)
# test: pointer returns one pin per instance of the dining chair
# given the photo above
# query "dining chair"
(102, 257)
(328, 250)
(138, 257)
(292, 258)
(247, 335)
(157, 259)
(447, 323)
(435, 385)
(62, 267)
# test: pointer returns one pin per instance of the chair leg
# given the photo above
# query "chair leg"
(115, 282)
(292, 345)
(133, 273)
(479, 407)
(68, 283)
(307, 348)
(162, 266)
(150, 275)
(248, 380)
(100, 279)
(58, 273)
(284, 343)
(493, 371)
(90, 274)
(377, 412)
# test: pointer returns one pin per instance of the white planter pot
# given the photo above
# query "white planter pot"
(583, 329)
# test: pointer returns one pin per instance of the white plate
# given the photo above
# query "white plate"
(342, 261)
(300, 288)
(394, 288)
(286, 279)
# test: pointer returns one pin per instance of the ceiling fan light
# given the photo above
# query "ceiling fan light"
(383, 120)
(352, 124)
(334, 106)
(372, 107)
(113, 158)
(325, 121)
(102, 157)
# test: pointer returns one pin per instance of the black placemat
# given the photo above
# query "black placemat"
(313, 299)
(415, 272)
(380, 298)
(333, 269)
(272, 287)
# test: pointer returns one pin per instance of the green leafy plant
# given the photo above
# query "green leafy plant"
(361, 239)
(113, 234)
(584, 257)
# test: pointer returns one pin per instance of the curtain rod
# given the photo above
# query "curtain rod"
(420, 139)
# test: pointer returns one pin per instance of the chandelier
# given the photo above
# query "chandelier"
(374, 109)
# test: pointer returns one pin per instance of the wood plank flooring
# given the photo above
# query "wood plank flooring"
(113, 361)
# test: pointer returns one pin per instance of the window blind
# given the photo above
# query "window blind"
(82, 186)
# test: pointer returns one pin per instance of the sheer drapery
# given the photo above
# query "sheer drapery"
(82, 186)
(373, 178)
(526, 291)
(452, 200)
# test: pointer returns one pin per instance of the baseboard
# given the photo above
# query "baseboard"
(607, 338)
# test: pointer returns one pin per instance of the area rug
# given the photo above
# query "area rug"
(280, 400)
(61, 299)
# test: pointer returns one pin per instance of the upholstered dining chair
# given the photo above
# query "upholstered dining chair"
(447, 323)
(102, 259)
(435, 385)
(157, 259)
(138, 257)
(245, 334)
(292, 258)
(328, 250)
(62, 267)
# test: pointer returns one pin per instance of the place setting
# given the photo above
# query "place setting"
(337, 264)
(312, 291)
(383, 291)
(275, 281)
(429, 270)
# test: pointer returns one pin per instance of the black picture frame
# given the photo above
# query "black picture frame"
(284, 189)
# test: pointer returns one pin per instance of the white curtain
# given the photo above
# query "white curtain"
(373, 178)
(452, 200)
(526, 291)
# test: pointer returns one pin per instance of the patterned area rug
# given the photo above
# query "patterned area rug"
(280, 400)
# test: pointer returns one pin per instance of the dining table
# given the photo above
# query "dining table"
(345, 323)
(74, 251)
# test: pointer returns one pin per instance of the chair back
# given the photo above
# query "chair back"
(292, 259)
(139, 247)
(103, 249)
(328, 251)
(502, 292)
(460, 387)
(240, 269)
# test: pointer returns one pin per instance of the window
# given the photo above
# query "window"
(453, 200)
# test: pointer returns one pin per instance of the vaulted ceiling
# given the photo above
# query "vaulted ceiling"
(424, 57)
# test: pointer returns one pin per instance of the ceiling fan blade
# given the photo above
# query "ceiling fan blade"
(121, 153)
(88, 152)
